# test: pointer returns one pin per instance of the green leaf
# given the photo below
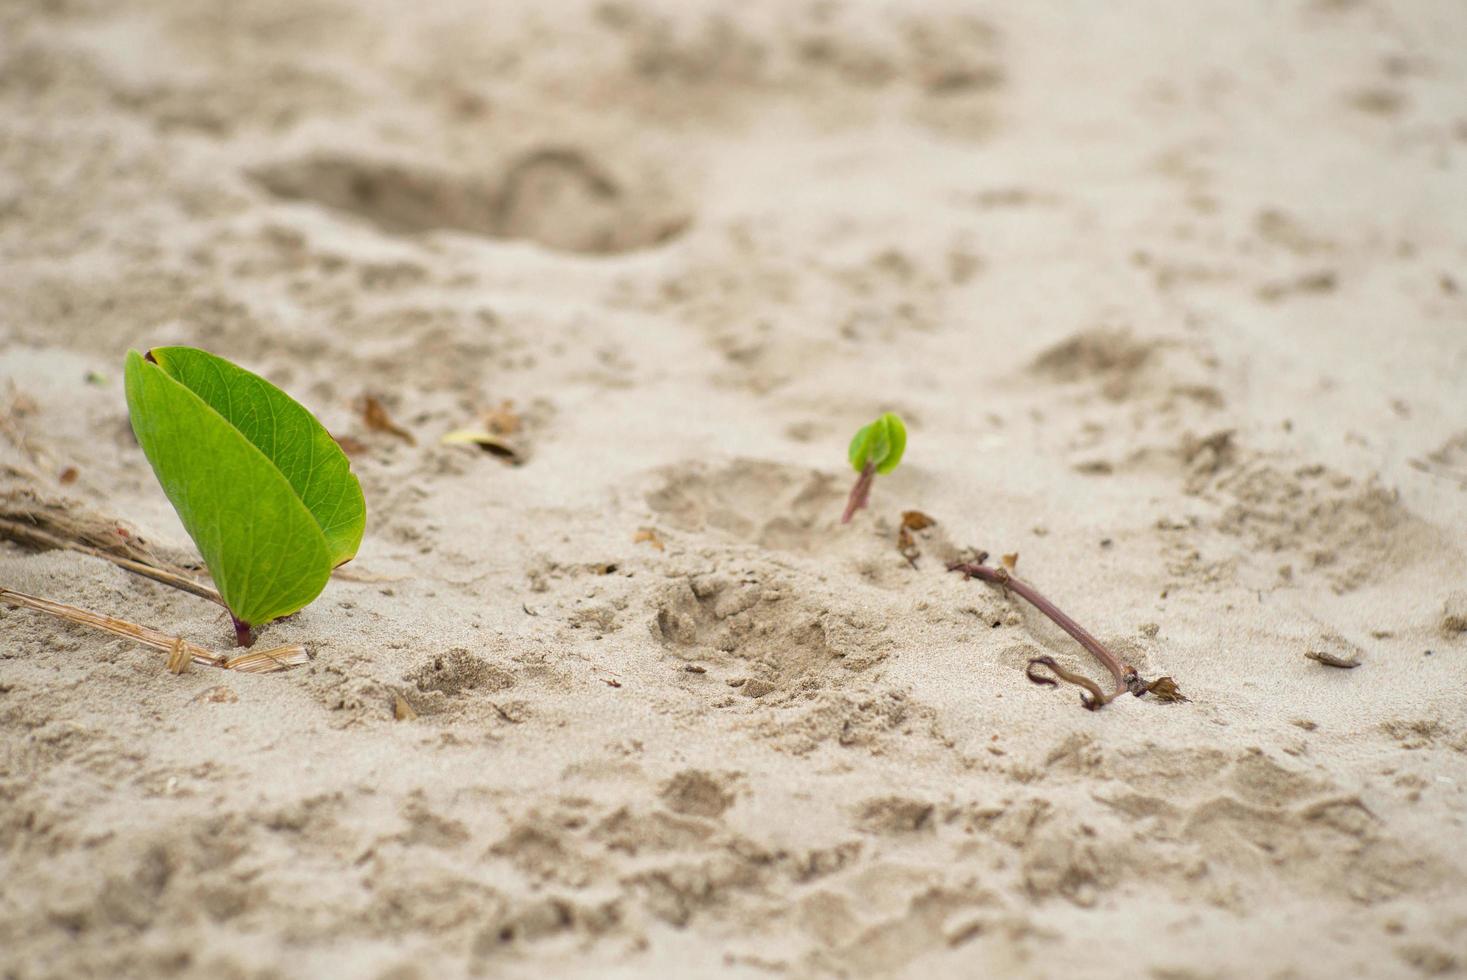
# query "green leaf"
(261, 487)
(881, 442)
(288, 434)
(895, 442)
(860, 449)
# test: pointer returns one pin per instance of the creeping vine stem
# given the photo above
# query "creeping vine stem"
(1127, 679)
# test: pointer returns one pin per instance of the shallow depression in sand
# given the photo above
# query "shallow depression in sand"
(559, 197)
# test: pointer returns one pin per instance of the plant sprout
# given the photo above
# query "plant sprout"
(876, 448)
(264, 491)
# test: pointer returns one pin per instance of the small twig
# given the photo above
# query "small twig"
(37, 538)
(860, 493)
(1126, 677)
(262, 662)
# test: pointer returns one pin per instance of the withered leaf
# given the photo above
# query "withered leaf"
(487, 441)
(907, 545)
(1165, 689)
(912, 520)
(374, 414)
(1010, 561)
(1345, 662)
(915, 520)
(650, 536)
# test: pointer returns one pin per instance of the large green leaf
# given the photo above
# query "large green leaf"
(264, 491)
(288, 434)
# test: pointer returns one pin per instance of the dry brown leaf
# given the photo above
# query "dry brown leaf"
(401, 710)
(1165, 689)
(907, 545)
(487, 441)
(68, 476)
(650, 536)
(1010, 561)
(1347, 662)
(912, 520)
(915, 520)
(504, 420)
(374, 413)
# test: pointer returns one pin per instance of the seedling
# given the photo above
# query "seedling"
(876, 448)
(265, 492)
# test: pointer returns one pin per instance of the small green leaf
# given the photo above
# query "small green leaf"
(896, 442)
(261, 487)
(860, 449)
(881, 443)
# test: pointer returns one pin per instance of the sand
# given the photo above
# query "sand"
(1170, 295)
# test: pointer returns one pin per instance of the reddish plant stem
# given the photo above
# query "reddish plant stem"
(1125, 675)
(244, 633)
(860, 493)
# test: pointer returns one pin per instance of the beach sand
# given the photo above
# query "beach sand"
(1173, 298)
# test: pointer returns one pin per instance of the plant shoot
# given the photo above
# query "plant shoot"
(876, 448)
(264, 491)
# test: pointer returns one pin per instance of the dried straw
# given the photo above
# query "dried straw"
(180, 652)
(45, 525)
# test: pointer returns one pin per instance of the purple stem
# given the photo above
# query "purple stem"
(1123, 673)
(244, 633)
(860, 492)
